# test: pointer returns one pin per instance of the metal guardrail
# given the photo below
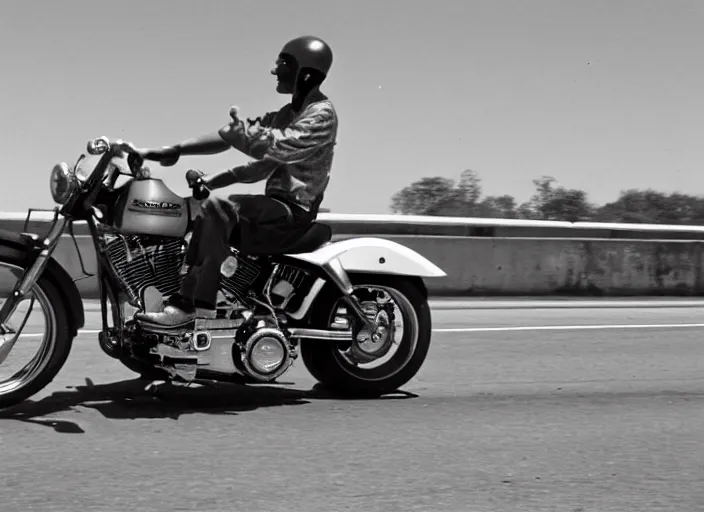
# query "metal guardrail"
(499, 256)
(419, 220)
(490, 222)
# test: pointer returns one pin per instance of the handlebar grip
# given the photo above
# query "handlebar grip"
(192, 177)
(197, 184)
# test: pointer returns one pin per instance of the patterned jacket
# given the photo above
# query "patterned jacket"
(294, 151)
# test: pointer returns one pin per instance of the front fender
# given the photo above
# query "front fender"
(373, 255)
(12, 245)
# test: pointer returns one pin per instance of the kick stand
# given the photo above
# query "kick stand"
(153, 387)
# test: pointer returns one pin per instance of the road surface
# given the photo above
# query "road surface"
(517, 409)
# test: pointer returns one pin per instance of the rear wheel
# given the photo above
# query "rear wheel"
(50, 336)
(368, 367)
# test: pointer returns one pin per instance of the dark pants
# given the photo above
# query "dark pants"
(254, 224)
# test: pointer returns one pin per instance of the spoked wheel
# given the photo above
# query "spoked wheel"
(43, 339)
(375, 363)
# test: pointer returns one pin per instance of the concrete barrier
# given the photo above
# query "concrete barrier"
(528, 266)
(597, 259)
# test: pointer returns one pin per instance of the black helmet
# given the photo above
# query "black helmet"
(310, 53)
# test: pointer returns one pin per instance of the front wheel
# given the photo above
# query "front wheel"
(371, 367)
(50, 337)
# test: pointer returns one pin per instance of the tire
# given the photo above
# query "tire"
(324, 363)
(59, 345)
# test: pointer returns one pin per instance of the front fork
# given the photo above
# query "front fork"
(41, 251)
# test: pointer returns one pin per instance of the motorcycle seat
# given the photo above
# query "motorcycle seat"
(313, 238)
(317, 235)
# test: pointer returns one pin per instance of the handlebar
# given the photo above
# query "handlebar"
(103, 145)
(118, 147)
(135, 162)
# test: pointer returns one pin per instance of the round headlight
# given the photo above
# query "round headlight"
(267, 355)
(61, 183)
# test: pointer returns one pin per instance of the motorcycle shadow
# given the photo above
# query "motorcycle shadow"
(128, 400)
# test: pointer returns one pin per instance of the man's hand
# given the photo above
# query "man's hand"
(200, 186)
(234, 114)
(166, 156)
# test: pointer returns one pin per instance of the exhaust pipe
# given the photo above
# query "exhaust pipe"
(320, 334)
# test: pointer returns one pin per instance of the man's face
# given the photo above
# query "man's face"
(285, 72)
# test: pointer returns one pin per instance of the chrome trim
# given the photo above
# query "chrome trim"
(9, 336)
(217, 324)
(308, 300)
(194, 341)
(218, 358)
(337, 273)
(38, 364)
(339, 276)
(49, 244)
(270, 282)
(32, 274)
(245, 354)
(320, 334)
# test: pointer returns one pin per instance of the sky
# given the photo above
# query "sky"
(603, 95)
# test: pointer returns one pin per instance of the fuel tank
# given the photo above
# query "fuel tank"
(149, 207)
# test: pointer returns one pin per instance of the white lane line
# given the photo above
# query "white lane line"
(508, 329)
(39, 335)
(568, 327)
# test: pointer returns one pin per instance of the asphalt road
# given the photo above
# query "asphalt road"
(542, 409)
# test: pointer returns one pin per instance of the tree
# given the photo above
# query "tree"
(461, 201)
(420, 197)
(652, 207)
(500, 207)
(441, 196)
(470, 187)
(558, 203)
(526, 211)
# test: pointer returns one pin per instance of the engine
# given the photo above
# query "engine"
(140, 262)
(255, 348)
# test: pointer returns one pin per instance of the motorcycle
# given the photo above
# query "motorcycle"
(335, 302)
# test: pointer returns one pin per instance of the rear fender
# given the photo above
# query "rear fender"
(14, 247)
(372, 256)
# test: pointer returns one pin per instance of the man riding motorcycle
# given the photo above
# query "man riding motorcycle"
(293, 148)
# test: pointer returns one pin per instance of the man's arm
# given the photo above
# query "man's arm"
(248, 173)
(315, 129)
(209, 144)
(273, 147)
